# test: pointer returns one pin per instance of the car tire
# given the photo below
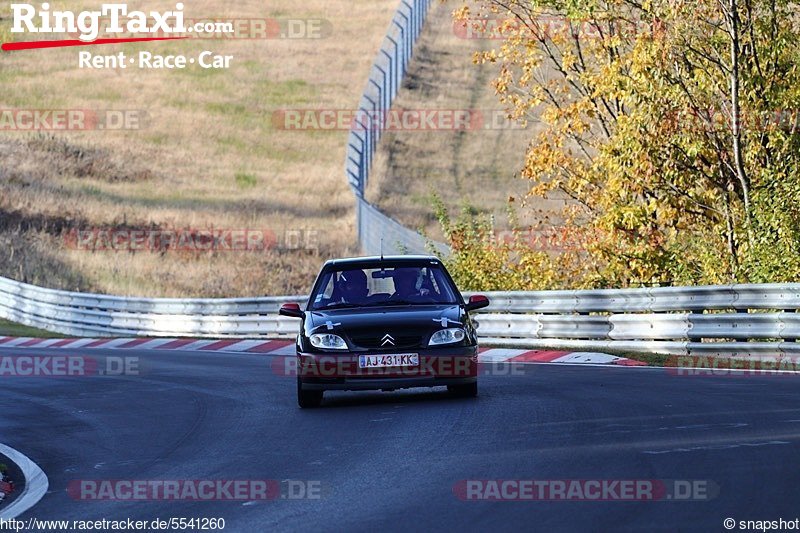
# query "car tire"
(469, 390)
(307, 399)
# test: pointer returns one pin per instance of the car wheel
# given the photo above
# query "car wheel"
(469, 390)
(308, 398)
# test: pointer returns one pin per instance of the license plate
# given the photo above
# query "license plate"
(388, 360)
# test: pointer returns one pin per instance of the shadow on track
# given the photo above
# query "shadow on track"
(339, 399)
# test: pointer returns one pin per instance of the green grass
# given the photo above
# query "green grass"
(238, 115)
(652, 359)
(11, 329)
(252, 66)
(233, 142)
(158, 139)
(5, 31)
(285, 94)
(244, 180)
(226, 108)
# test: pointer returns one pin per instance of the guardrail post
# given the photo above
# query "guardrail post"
(790, 311)
(404, 30)
(393, 83)
(742, 312)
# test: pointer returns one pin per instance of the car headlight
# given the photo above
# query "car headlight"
(329, 341)
(447, 336)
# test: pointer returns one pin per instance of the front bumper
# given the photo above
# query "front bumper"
(441, 367)
(357, 384)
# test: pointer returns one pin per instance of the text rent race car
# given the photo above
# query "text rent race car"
(385, 323)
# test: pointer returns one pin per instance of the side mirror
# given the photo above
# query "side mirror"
(477, 301)
(291, 309)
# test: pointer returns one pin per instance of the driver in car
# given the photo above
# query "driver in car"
(407, 283)
(353, 287)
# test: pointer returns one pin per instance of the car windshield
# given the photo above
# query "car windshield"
(386, 286)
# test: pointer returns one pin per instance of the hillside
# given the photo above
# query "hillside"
(477, 165)
(204, 153)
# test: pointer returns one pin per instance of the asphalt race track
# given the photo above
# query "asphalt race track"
(386, 461)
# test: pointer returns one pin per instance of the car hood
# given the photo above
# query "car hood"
(402, 317)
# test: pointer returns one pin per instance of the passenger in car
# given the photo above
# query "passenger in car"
(353, 286)
(405, 283)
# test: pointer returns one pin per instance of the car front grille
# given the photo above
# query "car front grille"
(377, 342)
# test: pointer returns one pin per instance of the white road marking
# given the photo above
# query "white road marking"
(36, 484)
(499, 355)
(587, 357)
(718, 447)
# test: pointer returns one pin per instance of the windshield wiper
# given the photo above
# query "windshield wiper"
(398, 302)
(340, 305)
(382, 303)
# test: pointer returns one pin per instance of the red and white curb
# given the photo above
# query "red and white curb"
(285, 347)
(267, 347)
(507, 355)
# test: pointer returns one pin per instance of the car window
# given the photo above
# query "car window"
(384, 286)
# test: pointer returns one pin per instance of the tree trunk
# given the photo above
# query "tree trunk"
(736, 127)
(733, 256)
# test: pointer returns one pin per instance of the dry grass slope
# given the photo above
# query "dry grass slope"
(207, 156)
(477, 167)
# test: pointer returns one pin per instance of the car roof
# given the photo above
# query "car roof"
(356, 262)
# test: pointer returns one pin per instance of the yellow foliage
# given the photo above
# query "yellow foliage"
(637, 103)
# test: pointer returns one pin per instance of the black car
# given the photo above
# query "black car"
(388, 323)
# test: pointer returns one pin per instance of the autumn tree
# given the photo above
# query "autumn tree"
(671, 124)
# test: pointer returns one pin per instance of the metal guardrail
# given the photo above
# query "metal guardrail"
(728, 320)
(377, 232)
(748, 320)
(653, 300)
(80, 314)
(710, 320)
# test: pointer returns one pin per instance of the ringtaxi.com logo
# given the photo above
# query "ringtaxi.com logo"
(118, 19)
(115, 22)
